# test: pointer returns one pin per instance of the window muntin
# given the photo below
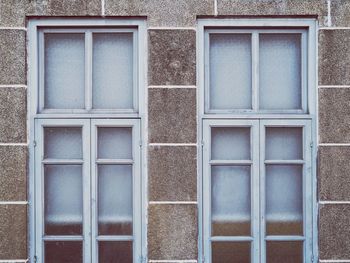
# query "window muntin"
(245, 66)
(88, 71)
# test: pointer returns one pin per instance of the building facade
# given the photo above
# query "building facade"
(174, 131)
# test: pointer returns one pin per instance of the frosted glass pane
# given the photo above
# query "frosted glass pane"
(286, 252)
(284, 143)
(63, 143)
(230, 71)
(230, 143)
(115, 143)
(63, 251)
(284, 200)
(230, 203)
(231, 252)
(63, 199)
(115, 252)
(64, 71)
(115, 199)
(280, 71)
(112, 67)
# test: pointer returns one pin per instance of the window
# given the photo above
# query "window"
(85, 79)
(257, 113)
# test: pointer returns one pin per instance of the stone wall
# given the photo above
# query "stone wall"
(172, 91)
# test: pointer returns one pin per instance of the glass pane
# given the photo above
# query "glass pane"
(230, 200)
(64, 71)
(63, 199)
(115, 199)
(230, 143)
(284, 143)
(63, 143)
(116, 252)
(115, 143)
(231, 252)
(286, 252)
(230, 71)
(284, 200)
(280, 71)
(112, 67)
(63, 251)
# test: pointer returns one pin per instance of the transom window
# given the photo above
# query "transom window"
(85, 84)
(247, 68)
(257, 112)
(88, 70)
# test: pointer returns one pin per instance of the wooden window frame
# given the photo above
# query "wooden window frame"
(306, 118)
(88, 119)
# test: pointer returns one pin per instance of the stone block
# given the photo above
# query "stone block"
(13, 115)
(172, 173)
(172, 115)
(172, 232)
(172, 57)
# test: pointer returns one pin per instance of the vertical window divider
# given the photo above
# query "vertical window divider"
(88, 70)
(94, 187)
(255, 70)
(304, 71)
(255, 190)
(86, 191)
(262, 191)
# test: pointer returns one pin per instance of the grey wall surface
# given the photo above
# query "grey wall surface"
(172, 89)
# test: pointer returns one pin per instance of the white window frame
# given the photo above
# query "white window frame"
(37, 117)
(307, 118)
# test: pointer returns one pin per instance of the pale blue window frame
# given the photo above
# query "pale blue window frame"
(88, 120)
(258, 120)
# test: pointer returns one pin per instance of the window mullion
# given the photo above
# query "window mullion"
(93, 165)
(255, 70)
(88, 70)
(262, 191)
(86, 192)
(255, 192)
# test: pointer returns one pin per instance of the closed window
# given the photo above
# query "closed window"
(257, 120)
(86, 123)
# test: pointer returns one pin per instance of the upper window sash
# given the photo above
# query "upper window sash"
(250, 30)
(87, 28)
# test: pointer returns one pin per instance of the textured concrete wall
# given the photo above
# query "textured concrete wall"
(172, 88)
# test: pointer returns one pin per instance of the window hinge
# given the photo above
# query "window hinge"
(202, 144)
(312, 258)
(35, 259)
(143, 259)
(34, 143)
(140, 143)
(311, 144)
(203, 259)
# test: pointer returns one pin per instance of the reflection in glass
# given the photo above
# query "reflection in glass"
(63, 143)
(284, 204)
(284, 143)
(63, 252)
(284, 251)
(63, 199)
(231, 252)
(115, 252)
(230, 143)
(231, 200)
(230, 71)
(280, 71)
(112, 67)
(115, 199)
(114, 143)
(64, 75)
